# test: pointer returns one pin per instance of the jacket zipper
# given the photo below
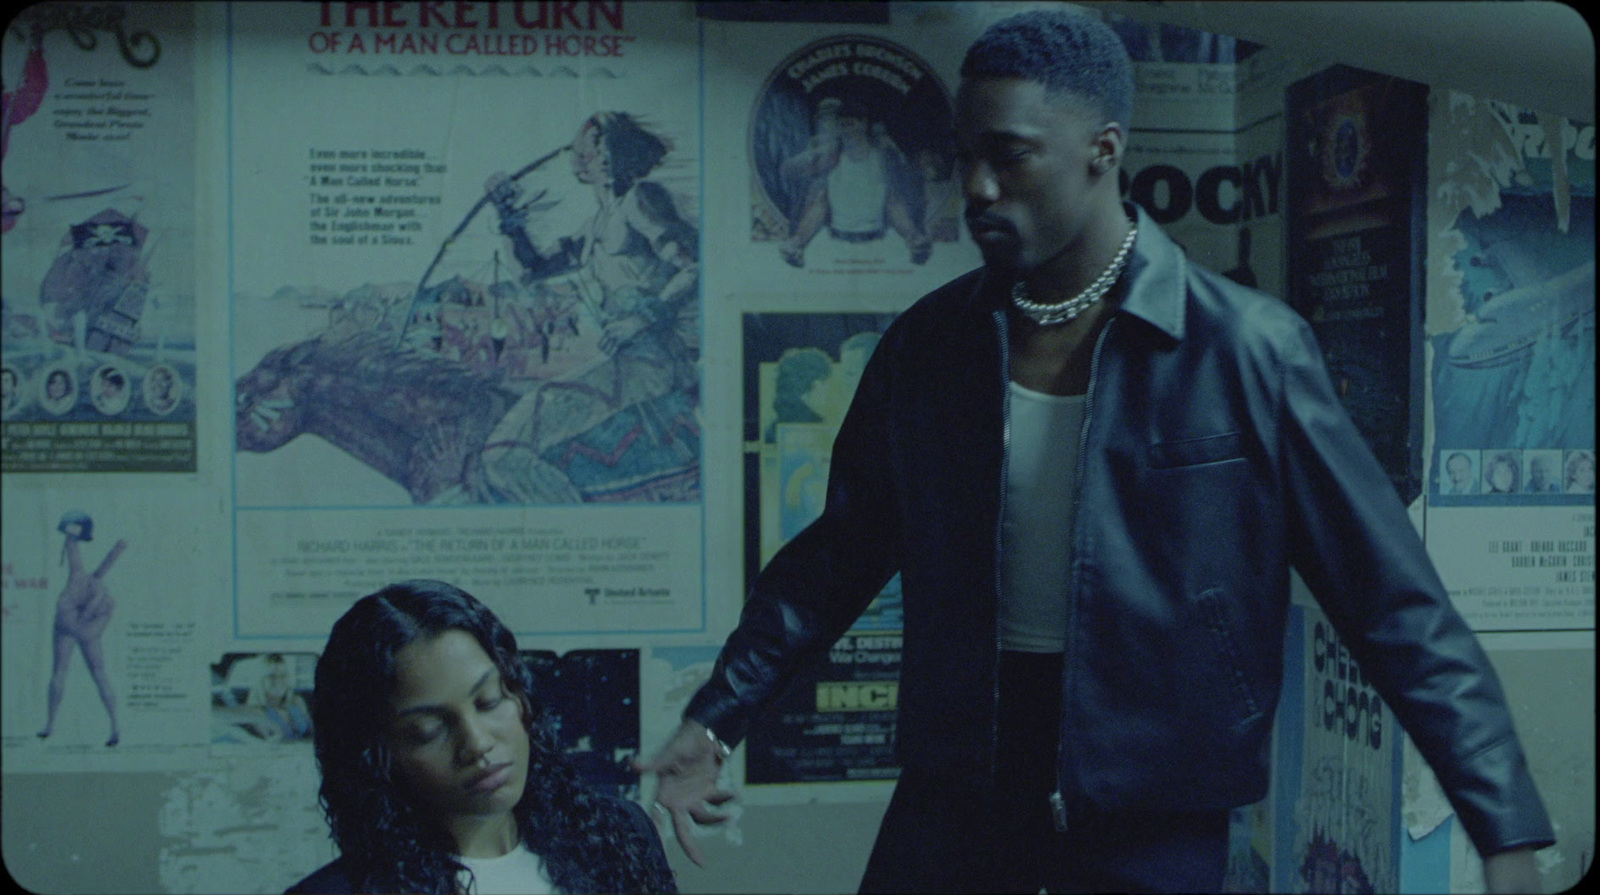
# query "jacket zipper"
(1000, 527)
(1058, 804)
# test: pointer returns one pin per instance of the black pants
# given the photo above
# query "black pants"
(947, 835)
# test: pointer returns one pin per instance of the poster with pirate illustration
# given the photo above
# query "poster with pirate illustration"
(466, 282)
(97, 320)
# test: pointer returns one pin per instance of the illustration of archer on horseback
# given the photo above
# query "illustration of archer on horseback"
(575, 380)
(625, 427)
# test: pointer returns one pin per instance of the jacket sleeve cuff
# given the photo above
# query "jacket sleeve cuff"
(1499, 806)
(720, 714)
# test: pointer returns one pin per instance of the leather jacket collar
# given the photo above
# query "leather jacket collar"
(1156, 268)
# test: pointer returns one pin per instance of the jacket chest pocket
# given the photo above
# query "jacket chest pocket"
(1195, 451)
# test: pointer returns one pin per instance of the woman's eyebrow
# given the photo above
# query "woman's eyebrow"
(439, 709)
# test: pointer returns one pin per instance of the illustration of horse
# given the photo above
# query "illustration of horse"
(448, 434)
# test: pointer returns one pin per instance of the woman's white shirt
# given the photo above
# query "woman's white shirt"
(517, 872)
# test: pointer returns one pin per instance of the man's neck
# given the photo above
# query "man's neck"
(1056, 360)
(1072, 269)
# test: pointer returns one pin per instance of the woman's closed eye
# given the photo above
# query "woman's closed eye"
(422, 734)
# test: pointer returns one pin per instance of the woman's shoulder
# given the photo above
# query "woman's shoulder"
(629, 810)
(332, 878)
(649, 836)
(630, 849)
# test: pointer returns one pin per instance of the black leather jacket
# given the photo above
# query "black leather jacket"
(1215, 456)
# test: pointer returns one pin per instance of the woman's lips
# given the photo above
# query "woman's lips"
(491, 779)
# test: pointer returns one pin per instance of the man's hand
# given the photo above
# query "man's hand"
(1512, 872)
(686, 772)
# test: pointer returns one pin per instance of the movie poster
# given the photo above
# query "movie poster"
(1337, 817)
(1187, 165)
(105, 630)
(1355, 169)
(836, 720)
(97, 323)
(1511, 346)
(1249, 867)
(592, 696)
(852, 162)
(464, 258)
(261, 701)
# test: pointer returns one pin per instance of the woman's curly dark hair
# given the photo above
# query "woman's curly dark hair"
(390, 843)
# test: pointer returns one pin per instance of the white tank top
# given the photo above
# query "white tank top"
(857, 192)
(1041, 493)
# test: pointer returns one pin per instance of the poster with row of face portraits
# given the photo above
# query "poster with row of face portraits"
(99, 323)
(1510, 340)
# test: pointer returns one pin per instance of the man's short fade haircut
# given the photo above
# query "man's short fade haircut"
(1067, 52)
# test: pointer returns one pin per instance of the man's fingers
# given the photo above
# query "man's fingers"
(705, 817)
(684, 829)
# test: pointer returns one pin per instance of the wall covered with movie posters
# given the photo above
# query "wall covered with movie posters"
(564, 302)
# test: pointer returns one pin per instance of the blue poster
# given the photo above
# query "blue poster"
(1513, 368)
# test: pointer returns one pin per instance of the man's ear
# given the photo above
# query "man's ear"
(1108, 144)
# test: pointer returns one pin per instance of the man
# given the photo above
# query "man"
(110, 390)
(8, 389)
(1461, 478)
(857, 183)
(1541, 476)
(1089, 729)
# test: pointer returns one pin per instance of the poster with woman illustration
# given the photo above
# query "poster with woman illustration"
(102, 630)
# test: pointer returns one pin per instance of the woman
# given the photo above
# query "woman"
(60, 391)
(441, 771)
(1501, 474)
(8, 390)
(284, 713)
(1580, 472)
(639, 263)
(82, 613)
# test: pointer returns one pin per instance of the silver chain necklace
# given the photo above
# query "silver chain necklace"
(1063, 311)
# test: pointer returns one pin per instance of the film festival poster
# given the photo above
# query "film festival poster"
(1356, 171)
